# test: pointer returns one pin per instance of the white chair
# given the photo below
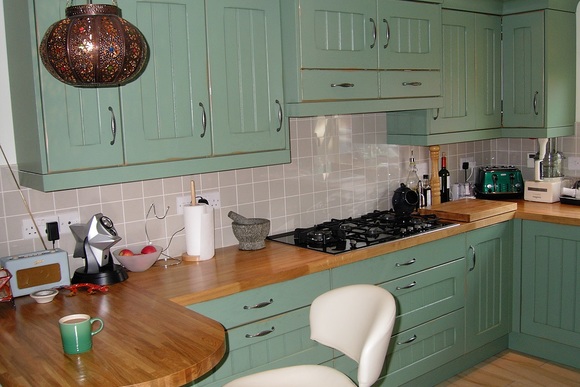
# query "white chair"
(356, 320)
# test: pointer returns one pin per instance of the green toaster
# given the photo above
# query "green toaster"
(499, 183)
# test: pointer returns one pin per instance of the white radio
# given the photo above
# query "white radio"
(38, 270)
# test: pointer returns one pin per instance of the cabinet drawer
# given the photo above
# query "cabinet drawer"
(417, 351)
(332, 85)
(260, 303)
(408, 84)
(280, 341)
(428, 294)
(401, 263)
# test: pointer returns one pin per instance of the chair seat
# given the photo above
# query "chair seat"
(297, 376)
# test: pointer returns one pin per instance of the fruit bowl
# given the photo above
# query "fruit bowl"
(137, 261)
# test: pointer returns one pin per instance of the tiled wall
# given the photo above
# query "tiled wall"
(341, 166)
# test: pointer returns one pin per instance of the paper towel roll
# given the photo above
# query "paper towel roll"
(199, 232)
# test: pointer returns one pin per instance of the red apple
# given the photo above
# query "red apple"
(126, 252)
(148, 249)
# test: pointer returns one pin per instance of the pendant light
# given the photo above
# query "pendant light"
(93, 47)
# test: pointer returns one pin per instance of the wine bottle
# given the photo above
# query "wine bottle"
(444, 179)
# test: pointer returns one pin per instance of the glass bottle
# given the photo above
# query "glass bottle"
(412, 177)
(444, 178)
(426, 192)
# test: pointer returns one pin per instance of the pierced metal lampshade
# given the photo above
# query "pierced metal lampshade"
(94, 47)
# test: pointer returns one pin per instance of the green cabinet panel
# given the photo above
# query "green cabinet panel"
(370, 36)
(489, 281)
(471, 78)
(162, 117)
(165, 123)
(550, 299)
(539, 74)
(245, 56)
(338, 34)
(409, 35)
(280, 341)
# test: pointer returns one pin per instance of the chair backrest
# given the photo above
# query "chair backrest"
(358, 321)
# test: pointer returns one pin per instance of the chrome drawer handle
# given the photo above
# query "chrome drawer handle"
(342, 85)
(407, 286)
(280, 116)
(413, 338)
(409, 262)
(203, 120)
(412, 83)
(260, 334)
(374, 32)
(113, 126)
(474, 261)
(260, 305)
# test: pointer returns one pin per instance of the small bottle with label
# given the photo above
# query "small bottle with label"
(426, 192)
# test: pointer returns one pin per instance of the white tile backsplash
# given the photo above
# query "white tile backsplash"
(341, 166)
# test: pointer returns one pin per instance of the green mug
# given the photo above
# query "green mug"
(76, 332)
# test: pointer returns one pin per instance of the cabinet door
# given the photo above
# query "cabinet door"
(338, 34)
(77, 121)
(550, 282)
(487, 71)
(523, 40)
(489, 274)
(410, 35)
(163, 110)
(245, 55)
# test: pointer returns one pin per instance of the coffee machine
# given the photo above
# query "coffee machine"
(93, 243)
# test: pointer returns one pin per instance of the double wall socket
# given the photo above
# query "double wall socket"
(212, 197)
(64, 220)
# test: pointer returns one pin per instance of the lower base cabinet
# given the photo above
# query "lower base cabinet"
(550, 292)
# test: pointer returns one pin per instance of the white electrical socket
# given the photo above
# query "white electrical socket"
(530, 160)
(212, 197)
(574, 163)
(64, 220)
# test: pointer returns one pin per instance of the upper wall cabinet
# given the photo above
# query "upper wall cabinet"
(539, 74)
(166, 122)
(370, 53)
(471, 75)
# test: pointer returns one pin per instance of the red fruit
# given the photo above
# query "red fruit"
(148, 249)
(126, 252)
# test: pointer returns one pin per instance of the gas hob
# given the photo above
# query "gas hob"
(341, 235)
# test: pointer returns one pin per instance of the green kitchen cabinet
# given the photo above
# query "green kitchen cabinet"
(166, 122)
(488, 283)
(550, 292)
(363, 57)
(266, 327)
(247, 95)
(539, 74)
(427, 282)
(471, 78)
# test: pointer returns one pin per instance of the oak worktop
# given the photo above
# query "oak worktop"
(141, 323)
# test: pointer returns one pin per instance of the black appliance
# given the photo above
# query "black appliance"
(339, 236)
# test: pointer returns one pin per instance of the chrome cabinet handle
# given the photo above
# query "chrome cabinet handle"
(203, 120)
(342, 84)
(280, 116)
(113, 126)
(374, 32)
(472, 249)
(409, 262)
(260, 334)
(260, 305)
(407, 286)
(436, 115)
(412, 83)
(387, 33)
(536, 103)
(410, 340)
